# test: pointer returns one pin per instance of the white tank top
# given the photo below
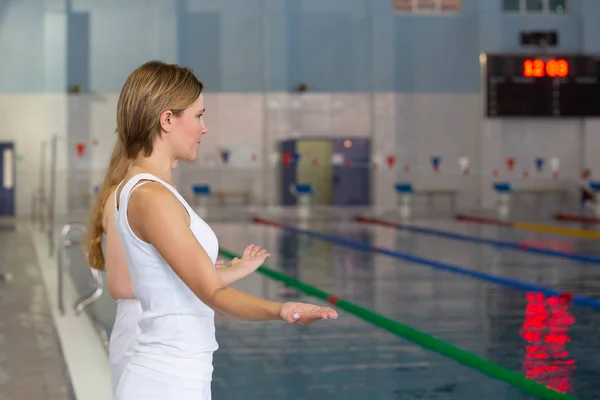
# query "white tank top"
(177, 329)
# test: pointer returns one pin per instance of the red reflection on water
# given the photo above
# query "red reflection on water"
(546, 331)
(558, 245)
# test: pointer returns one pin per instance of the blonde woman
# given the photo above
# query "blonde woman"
(105, 253)
(170, 250)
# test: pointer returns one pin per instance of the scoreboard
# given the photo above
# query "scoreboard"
(542, 85)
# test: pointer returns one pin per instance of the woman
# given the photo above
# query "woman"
(586, 194)
(170, 250)
(105, 252)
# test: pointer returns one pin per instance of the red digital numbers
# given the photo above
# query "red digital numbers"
(557, 68)
(534, 68)
(539, 68)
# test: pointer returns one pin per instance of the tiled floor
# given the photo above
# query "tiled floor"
(31, 364)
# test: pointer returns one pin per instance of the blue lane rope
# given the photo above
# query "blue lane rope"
(580, 300)
(493, 242)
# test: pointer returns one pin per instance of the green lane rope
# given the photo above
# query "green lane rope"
(423, 339)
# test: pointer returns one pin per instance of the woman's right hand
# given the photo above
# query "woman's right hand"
(305, 314)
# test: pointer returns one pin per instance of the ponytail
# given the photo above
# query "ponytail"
(115, 173)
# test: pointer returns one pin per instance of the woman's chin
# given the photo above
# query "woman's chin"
(192, 156)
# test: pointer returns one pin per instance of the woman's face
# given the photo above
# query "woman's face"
(187, 130)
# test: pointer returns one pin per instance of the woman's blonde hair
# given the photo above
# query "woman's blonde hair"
(150, 90)
(117, 168)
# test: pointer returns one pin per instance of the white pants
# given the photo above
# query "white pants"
(123, 338)
(141, 383)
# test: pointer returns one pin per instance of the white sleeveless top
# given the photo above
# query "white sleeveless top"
(177, 329)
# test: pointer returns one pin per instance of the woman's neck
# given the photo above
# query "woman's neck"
(157, 164)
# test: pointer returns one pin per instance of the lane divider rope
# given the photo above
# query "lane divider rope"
(423, 339)
(579, 300)
(493, 242)
(559, 230)
(576, 218)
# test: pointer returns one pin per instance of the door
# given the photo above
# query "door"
(288, 173)
(314, 168)
(351, 183)
(7, 179)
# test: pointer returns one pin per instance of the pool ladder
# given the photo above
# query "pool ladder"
(63, 267)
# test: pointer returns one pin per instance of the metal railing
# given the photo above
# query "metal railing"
(63, 267)
(44, 196)
(52, 193)
(86, 301)
(38, 197)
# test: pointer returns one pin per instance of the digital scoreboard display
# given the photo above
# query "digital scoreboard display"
(542, 86)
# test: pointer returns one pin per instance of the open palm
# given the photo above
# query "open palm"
(253, 257)
(306, 314)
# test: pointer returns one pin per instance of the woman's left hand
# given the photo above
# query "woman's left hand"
(253, 257)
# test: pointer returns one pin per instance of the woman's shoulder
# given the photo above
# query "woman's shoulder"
(149, 195)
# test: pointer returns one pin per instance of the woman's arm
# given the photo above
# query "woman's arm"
(157, 217)
(234, 272)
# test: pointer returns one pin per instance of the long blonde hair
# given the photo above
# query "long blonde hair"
(151, 89)
(117, 168)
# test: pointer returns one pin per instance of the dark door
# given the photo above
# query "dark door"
(351, 180)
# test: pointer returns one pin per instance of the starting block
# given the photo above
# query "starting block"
(505, 191)
(201, 195)
(405, 193)
(303, 193)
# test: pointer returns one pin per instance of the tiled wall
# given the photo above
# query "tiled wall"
(411, 83)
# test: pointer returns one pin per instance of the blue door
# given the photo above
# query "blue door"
(351, 184)
(7, 179)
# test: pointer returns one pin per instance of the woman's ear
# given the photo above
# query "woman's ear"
(166, 120)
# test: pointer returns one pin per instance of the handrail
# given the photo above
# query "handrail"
(63, 266)
(88, 300)
(52, 195)
(34, 199)
(42, 187)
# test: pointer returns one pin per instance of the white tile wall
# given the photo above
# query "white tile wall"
(413, 127)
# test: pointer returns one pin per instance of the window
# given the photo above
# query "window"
(7, 169)
(511, 5)
(557, 6)
(427, 6)
(535, 6)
